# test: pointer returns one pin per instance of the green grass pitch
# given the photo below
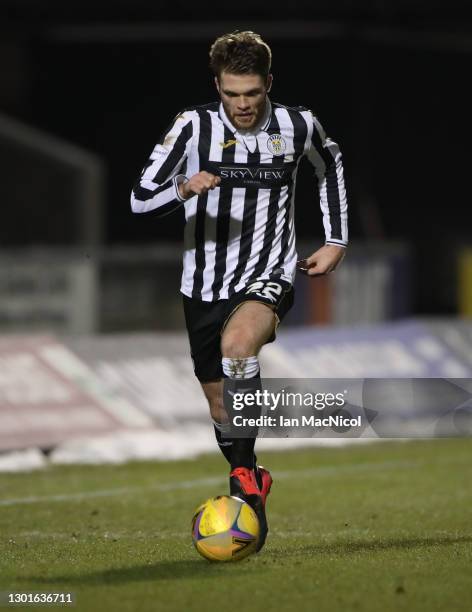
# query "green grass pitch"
(378, 527)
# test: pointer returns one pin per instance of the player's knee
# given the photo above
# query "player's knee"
(237, 344)
(245, 367)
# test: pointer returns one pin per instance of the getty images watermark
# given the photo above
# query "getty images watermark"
(325, 408)
(273, 401)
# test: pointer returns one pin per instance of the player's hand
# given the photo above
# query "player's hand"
(322, 261)
(199, 184)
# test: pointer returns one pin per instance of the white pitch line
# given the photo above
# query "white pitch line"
(199, 482)
(167, 535)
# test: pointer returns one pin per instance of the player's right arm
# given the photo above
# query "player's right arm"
(161, 189)
(157, 190)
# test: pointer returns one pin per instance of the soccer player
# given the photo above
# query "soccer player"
(232, 165)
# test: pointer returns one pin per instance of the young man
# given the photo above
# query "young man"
(232, 165)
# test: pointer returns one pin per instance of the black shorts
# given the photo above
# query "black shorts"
(206, 320)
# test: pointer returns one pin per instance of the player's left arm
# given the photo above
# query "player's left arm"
(325, 156)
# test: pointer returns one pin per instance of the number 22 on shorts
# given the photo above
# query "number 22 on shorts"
(266, 289)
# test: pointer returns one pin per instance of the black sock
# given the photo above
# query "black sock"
(226, 446)
(243, 453)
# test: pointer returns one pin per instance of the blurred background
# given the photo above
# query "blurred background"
(89, 292)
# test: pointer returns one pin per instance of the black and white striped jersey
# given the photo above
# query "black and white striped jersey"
(244, 229)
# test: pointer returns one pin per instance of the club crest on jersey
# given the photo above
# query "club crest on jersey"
(276, 144)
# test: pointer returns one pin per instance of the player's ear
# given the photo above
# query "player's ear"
(217, 84)
(269, 82)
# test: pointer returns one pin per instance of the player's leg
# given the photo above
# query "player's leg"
(247, 330)
(204, 322)
(254, 314)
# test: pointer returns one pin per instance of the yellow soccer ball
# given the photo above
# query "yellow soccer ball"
(225, 528)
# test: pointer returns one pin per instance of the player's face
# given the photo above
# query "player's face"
(243, 97)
